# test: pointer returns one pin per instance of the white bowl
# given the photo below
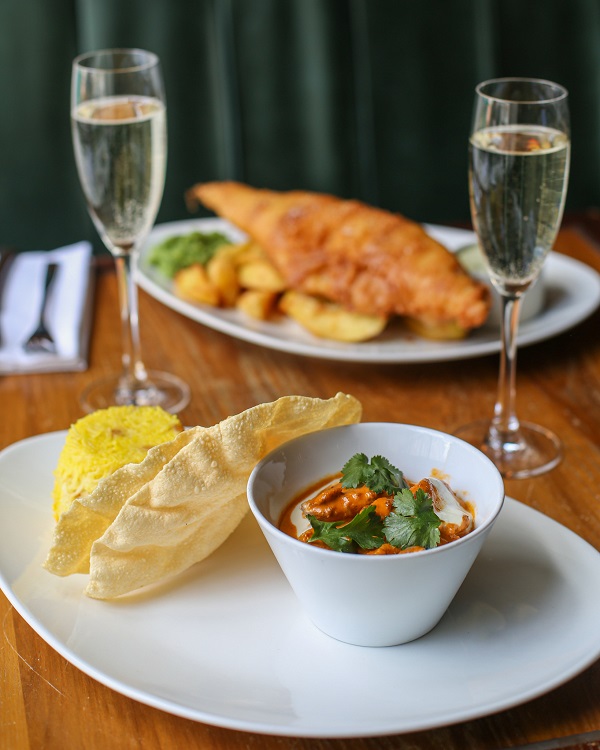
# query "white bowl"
(375, 600)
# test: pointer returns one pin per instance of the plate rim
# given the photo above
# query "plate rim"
(56, 439)
(568, 273)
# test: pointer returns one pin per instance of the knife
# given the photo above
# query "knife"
(7, 257)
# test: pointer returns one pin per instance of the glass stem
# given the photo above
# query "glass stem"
(505, 428)
(134, 372)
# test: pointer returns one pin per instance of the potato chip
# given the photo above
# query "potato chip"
(152, 520)
(193, 284)
(262, 275)
(330, 320)
(221, 272)
(257, 304)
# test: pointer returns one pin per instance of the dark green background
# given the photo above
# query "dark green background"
(361, 98)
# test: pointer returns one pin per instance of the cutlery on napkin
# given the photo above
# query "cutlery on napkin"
(6, 260)
(68, 312)
(41, 340)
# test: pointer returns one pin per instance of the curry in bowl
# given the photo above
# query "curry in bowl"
(370, 508)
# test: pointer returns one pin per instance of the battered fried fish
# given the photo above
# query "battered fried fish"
(369, 260)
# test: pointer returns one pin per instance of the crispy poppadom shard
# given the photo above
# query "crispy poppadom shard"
(151, 520)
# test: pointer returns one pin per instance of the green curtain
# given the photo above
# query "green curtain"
(361, 98)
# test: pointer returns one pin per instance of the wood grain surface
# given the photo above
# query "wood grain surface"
(45, 702)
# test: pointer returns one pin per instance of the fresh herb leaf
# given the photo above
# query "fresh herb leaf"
(413, 522)
(379, 475)
(385, 477)
(365, 530)
(354, 470)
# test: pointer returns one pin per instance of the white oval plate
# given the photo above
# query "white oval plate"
(227, 644)
(573, 293)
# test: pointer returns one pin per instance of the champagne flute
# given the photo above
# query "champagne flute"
(518, 172)
(118, 118)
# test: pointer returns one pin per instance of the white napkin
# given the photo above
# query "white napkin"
(68, 315)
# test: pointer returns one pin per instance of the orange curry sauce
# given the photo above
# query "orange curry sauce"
(336, 503)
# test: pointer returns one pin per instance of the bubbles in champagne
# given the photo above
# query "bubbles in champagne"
(518, 178)
(120, 149)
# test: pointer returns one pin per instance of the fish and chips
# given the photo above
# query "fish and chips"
(354, 259)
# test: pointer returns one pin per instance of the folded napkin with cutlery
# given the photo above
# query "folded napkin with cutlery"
(68, 312)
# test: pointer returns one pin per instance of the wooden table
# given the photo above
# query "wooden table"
(45, 702)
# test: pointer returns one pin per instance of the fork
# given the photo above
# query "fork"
(41, 339)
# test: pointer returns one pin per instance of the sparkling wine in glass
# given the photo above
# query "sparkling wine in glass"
(519, 154)
(118, 118)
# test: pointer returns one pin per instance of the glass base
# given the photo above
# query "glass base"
(531, 451)
(160, 389)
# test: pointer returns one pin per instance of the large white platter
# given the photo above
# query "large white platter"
(227, 644)
(573, 293)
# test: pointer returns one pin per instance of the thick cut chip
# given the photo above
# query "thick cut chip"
(154, 519)
(257, 304)
(192, 283)
(330, 320)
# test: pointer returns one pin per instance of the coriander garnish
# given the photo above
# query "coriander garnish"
(411, 523)
(379, 475)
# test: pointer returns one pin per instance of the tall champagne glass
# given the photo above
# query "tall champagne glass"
(518, 171)
(118, 118)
